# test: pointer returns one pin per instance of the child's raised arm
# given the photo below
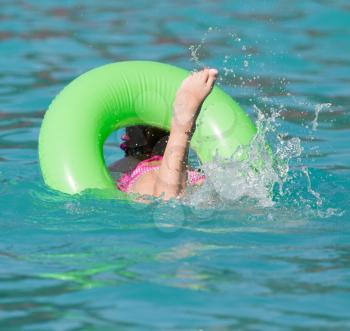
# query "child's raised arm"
(172, 176)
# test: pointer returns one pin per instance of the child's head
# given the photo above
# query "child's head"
(142, 142)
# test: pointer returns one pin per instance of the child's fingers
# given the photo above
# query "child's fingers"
(205, 74)
(212, 77)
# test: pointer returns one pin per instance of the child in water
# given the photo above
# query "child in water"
(155, 162)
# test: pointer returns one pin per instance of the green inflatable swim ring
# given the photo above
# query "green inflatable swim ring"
(123, 94)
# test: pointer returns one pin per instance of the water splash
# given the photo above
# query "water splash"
(255, 176)
(318, 108)
(309, 188)
(276, 180)
(235, 67)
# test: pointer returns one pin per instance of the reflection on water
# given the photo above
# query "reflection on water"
(77, 263)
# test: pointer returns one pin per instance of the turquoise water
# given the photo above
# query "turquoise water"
(225, 259)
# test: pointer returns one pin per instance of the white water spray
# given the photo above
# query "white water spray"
(232, 181)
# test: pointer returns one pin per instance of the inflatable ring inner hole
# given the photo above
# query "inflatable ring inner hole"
(113, 153)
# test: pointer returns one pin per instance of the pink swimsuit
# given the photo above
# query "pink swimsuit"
(125, 182)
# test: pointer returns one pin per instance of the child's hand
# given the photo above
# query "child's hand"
(189, 98)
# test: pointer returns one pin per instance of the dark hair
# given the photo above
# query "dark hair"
(143, 142)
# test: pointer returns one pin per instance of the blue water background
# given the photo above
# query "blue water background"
(77, 263)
